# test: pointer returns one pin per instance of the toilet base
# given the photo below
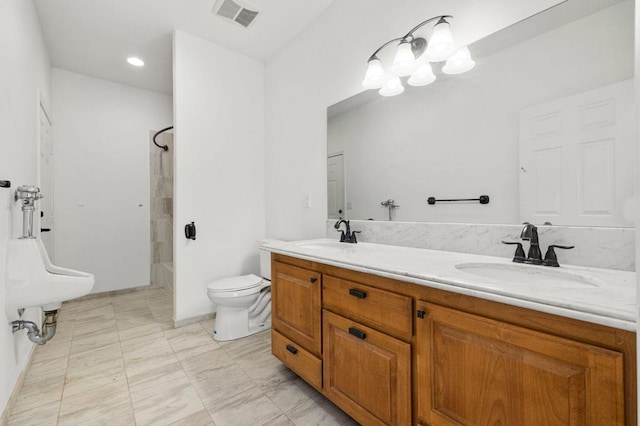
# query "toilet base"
(234, 323)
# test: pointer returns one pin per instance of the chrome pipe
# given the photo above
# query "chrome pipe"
(49, 326)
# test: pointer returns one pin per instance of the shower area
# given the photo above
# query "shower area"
(161, 206)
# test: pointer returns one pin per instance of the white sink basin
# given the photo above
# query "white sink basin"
(32, 280)
(532, 276)
(322, 245)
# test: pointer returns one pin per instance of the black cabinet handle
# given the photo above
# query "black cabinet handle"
(357, 293)
(5, 184)
(355, 332)
(45, 229)
(292, 349)
(313, 280)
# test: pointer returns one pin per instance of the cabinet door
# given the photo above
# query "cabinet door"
(295, 305)
(476, 371)
(367, 373)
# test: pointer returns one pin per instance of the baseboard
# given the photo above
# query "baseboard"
(16, 389)
(192, 320)
(117, 292)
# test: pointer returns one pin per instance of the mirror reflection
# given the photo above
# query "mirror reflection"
(543, 126)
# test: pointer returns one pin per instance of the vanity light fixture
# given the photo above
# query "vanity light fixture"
(413, 57)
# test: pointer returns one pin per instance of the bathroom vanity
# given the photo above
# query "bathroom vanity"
(401, 336)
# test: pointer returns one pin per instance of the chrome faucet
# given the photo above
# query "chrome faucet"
(29, 194)
(530, 233)
(346, 236)
(390, 204)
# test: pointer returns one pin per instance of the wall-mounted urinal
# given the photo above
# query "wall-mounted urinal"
(33, 281)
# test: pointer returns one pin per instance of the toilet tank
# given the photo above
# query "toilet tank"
(265, 260)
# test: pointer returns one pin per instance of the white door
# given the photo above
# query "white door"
(335, 186)
(45, 182)
(576, 159)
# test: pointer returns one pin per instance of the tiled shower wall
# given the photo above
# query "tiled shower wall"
(161, 211)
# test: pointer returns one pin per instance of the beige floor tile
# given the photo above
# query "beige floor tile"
(280, 421)
(319, 411)
(201, 418)
(44, 415)
(118, 360)
(250, 407)
(37, 394)
(190, 340)
(287, 391)
(93, 341)
(93, 369)
(143, 332)
(101, 313)
(163, 396)
(108, 404)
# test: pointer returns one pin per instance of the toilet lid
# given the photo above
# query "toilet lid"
(243, 282)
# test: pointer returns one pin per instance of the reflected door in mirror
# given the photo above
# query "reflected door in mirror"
(335, 186)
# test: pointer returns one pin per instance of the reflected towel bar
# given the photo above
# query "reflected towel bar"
(483, 199)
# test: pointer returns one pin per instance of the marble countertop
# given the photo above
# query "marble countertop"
(607, 298)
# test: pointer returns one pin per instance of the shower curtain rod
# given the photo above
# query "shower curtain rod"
(165, 147)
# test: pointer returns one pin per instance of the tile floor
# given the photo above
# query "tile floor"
(118, 360)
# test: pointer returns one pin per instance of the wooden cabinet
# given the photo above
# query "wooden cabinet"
(366, 372)
(295, 305)
(473, 370)
(390, 352)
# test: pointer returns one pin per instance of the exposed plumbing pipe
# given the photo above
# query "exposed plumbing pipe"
(49, 326)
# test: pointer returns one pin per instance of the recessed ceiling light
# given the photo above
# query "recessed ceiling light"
(136, 62)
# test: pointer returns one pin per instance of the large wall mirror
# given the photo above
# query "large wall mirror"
(543, 125)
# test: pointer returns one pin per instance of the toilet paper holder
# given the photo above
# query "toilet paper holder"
(190, 231)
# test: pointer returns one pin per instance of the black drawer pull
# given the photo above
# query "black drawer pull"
(292, 349)
(313, 280)
(357, 293)
(359, 334)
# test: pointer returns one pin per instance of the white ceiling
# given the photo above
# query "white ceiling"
(94, 37)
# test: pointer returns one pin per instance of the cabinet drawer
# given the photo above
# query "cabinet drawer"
(303, 363)
(388, 312)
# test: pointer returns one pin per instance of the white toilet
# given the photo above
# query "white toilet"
(243, 304)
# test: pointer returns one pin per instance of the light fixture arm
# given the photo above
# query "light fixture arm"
(409, 36)
(441, 18)
(374, 54)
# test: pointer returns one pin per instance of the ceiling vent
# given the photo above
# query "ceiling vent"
(235, 11)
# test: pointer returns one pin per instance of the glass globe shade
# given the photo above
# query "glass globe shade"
(404, 63)
(441, 45)
(460, 62)
(375, 76)
(423, 76)
(392, 87)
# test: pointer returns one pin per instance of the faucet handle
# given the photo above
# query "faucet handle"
(550, 258)
(343, 238)
(353, 236)
(519, 256)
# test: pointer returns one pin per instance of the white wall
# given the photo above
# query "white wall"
(324, 65)
(24, 79)
(219, 168)
(101, 177)
(457, 138)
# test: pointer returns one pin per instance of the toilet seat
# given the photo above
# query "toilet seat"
(235, 284)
